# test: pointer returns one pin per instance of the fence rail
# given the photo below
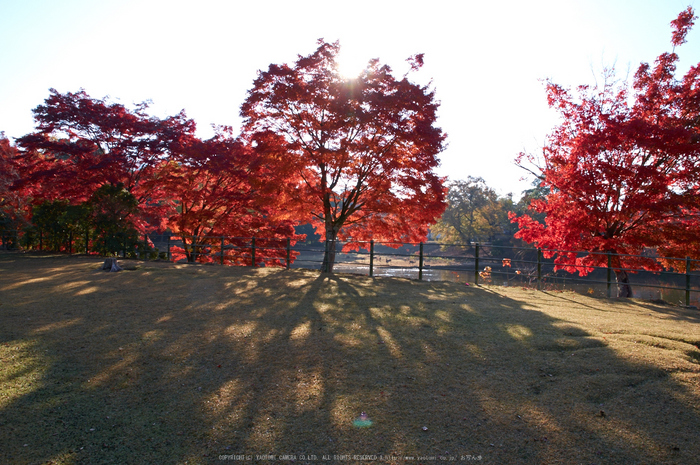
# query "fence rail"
(473, 264)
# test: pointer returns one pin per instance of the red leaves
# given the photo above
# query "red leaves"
(222, 187)
(622, 172)
(416, 61)
(12, 202)
(196, 188)
(681, 25)
(363, 149)
(83, 143)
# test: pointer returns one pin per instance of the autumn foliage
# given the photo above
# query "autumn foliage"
(11, 202)
(355, 157)
(221, 186)
(362, 151)
(622, 169)
(97, 168)
(82, 144)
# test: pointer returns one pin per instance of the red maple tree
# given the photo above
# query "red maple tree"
(82, 143)
(12, 203)
(8, 172)
(222, 187)
(364, 150)
(623, 171)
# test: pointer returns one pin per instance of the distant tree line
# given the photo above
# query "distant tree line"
(475, 213)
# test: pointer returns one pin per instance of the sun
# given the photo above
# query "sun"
(350, 63)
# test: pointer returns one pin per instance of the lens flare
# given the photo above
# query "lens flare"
(362, 421)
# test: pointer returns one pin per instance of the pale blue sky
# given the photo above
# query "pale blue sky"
(485, 59)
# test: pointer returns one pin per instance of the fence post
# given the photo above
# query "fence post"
(289, 251)
(371, 258)
(252, 251)
(222, 250)
(609, 273)
(687, 281)
(476, 264)
(420, 263)
(539, 269)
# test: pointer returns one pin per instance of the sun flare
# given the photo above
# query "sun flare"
(350, 64)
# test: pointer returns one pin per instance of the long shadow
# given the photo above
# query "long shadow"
(689, 314)
(253, 362)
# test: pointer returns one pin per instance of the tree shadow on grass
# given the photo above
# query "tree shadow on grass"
(175, 365)
(659, 307)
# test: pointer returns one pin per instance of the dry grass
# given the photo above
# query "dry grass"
(182, 364)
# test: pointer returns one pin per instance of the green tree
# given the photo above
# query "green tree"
(112, 210)
(58, 221)
(474, 213)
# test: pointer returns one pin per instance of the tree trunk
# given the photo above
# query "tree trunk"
(329, 253)
(623, 284)
(111, 265)
(190, 253)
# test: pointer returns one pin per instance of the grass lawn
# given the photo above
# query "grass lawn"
(174, 364)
